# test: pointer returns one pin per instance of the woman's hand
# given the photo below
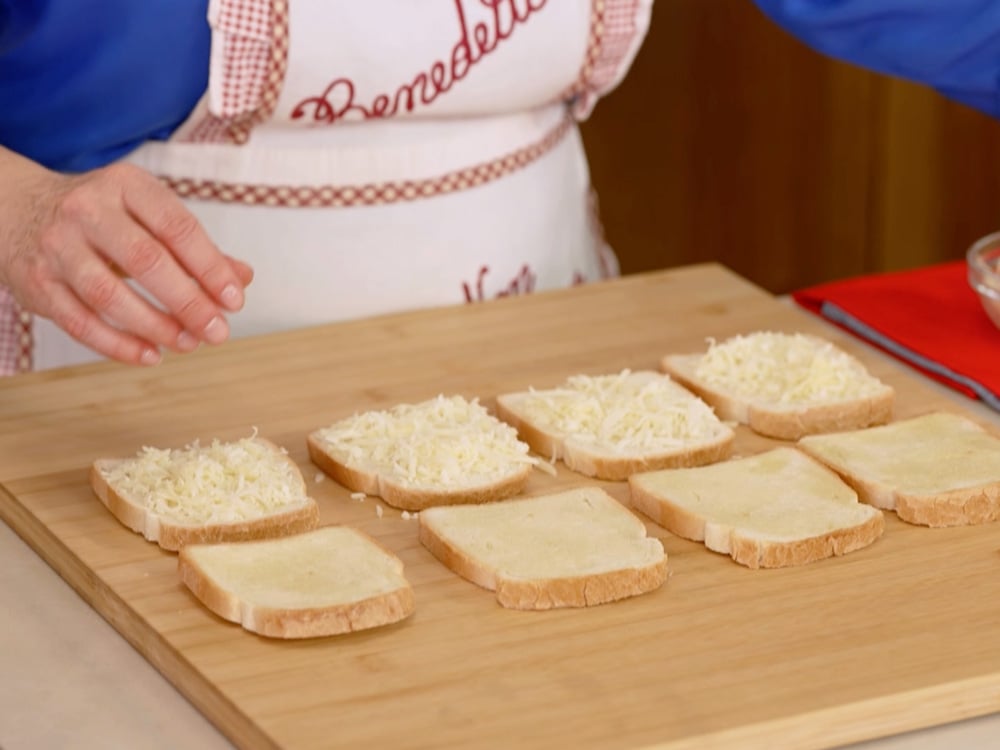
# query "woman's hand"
(67, 241)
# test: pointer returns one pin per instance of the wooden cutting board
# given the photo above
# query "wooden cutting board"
(898, 636)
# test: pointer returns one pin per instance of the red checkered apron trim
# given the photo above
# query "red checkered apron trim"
(253, 37)
(613, 30)
(339, 196)
(15, 335)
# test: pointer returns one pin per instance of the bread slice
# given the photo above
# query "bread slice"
(576, 548)
(611, 426)
(444, 451)
(784, 385)
(331, 580)
(247, 489)
(938, 469)
(771, 510)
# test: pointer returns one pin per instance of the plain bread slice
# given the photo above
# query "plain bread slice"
(938, 469)
(574, 548)
(771, 510)
(328, 581)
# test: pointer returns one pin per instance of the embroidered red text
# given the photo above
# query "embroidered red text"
(523, 283)
(476, 40)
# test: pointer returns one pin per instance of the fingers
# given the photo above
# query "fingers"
(75, 267)
(130, 247)
(171, 224)
(144, 232)
(243, 271)
(90, 232)
(80, 322)
(98, 287)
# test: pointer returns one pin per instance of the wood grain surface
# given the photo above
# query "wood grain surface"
(897, 636)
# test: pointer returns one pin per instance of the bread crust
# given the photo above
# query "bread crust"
(756, 553)
(874, 493)
(674, 518)
(833, 417)
(965, 506)
(585, 460)
(581, 591)
(727, 407)
(783, 423)
(544, 593)
(308, 622)
(408, 498)
(453, 558)
(173, 536)
(960, 506)
(618, 469)
(746, 549)
(353, 479)
(542, 443)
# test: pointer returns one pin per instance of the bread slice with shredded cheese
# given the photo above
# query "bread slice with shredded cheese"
(771, 510)
(226, 491)
(611, 426)
(443, 451)
(784, 385)
(575, 548)
(328, 581)
(939, 469)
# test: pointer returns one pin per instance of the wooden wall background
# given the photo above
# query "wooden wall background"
(731, 141)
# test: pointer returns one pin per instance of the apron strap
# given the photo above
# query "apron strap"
(248, 64)
(15, 336)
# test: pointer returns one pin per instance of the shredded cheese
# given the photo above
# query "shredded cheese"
(785, 368)
(624, 413)
(443, 442)
(220, 483)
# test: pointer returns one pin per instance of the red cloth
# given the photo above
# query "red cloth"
(931, 312)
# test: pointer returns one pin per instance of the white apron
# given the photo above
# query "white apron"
(374, 157)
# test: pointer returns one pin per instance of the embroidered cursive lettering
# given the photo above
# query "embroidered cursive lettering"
(523, 283)
(338, 101)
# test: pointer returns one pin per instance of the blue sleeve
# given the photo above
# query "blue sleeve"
(83, 82)
(950, 45)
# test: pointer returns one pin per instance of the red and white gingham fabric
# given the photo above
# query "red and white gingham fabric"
(15, 336)
(617, 29)
(495, 145)
(246, 68)
(241, 52)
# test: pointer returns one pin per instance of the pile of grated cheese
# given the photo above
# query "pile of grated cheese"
(785, 368)
(220, 483)
(624, 413)
(440, 443)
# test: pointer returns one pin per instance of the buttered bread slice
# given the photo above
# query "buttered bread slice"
(323, 582)
(784, 385)
(444, 451)
(575, 548)
(611, 426)
(938, 469)
(225, 491)
(771, 510)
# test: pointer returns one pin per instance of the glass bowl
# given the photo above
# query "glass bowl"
(983, 260)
